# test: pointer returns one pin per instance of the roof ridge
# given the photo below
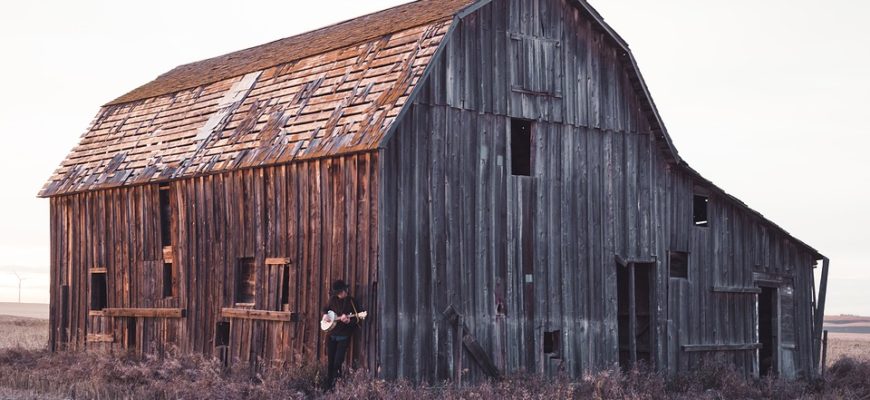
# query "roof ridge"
(310, 43)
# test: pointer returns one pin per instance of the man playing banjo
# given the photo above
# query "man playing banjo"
(341, 316)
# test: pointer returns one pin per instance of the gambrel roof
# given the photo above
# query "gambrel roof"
(331, 91)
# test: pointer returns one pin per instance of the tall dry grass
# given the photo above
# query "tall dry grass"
(28, 371)
(37, 373)
(28, 333)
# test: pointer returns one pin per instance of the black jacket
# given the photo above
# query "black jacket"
(343, 306)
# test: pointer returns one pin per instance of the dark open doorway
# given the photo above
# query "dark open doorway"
(768, 331)
(635, 305)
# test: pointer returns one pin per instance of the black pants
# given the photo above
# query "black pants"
(336, 348)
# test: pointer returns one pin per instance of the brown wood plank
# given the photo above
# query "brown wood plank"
(720, 347)
(145, 312)
(265, 315)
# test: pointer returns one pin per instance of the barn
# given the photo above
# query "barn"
(491, 176)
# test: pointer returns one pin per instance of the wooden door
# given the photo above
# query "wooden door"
(635, 313)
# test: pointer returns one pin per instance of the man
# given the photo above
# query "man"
(343, 305)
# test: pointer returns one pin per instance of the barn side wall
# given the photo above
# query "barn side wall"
(519, 257)
(321, 215)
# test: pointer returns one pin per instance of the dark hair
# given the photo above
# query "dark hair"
(338, 286)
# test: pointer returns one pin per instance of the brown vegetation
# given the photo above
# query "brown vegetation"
(28, 371)
(26, 333)
(37, 374)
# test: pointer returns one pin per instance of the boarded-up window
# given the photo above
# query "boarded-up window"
(98, 291)
(537, 65)
(246, 279)
(678, 263)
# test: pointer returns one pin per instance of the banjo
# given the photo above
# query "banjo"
(331, 320)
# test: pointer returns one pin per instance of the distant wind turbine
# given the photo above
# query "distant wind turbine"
(19, 285)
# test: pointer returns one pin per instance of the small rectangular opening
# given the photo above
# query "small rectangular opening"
(521, 147)
(98, 291)
(168, 281)
(679, 264)
(131, 333)
(699, 210)
(551, 343)
(246, 279)
(165, 217)
(285, 288)
(222, 334)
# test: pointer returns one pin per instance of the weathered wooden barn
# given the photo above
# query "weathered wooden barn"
(491, 176)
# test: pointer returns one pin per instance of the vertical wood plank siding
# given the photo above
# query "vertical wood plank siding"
(321, 215)
(458, 228)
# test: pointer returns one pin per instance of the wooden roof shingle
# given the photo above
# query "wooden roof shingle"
(332, 91)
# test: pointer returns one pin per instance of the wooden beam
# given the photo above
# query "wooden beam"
(480, 355)
(619, 260)
(820, 315)
(734, 289)
(100, 338)
(97, 270)
(477, 352)
(96, 313)
(145, 312)
(264, 315)
(720, 347)
(278, 261)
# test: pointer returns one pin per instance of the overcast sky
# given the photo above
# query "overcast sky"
(769, 99)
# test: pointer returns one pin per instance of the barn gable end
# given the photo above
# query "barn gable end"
(536, 265)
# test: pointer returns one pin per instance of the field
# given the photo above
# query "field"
(28, 371)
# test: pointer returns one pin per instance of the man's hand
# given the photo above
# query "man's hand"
(344, 318)
(325, 318)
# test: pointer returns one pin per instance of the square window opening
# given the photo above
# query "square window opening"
(98, 291)
(246, 278)
(222, 334)
(700, 215)
(678, 263)
(521, 147)
(552, 342)
(165, 217)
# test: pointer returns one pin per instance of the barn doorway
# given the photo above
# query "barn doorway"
(768, 331)
(635, 305)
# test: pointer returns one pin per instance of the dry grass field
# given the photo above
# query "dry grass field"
(28, 371)
(27, 333)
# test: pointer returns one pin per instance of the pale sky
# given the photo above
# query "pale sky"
(769, 99)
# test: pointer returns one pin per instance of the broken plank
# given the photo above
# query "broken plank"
(278, 261)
